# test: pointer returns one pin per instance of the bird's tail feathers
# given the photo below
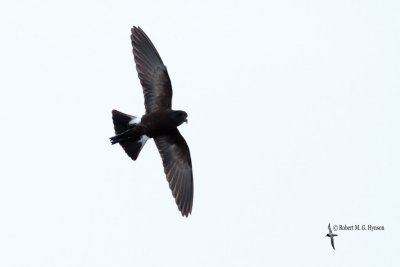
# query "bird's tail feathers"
(128, 133)
(133, 147)
(123, 122)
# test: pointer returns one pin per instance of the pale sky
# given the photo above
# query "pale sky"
(293, 124)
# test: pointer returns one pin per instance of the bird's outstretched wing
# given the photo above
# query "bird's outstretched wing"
(329, 228)
(333, 244)
(175, 155)
(152, 72)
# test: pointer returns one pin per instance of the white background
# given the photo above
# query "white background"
(293, 123)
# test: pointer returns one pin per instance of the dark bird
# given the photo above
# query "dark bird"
(331, 235)
(160, 122)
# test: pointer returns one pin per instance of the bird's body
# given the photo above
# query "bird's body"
(160, 122)
(331, 235)
(154, 124)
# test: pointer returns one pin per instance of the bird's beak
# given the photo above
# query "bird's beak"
(186, 120)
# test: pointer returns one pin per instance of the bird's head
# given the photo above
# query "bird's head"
(180, 117)
(327, 234)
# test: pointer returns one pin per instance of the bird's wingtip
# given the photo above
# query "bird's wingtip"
(186, 213)
(134, 29)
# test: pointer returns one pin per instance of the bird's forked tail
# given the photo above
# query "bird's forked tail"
(128, 133)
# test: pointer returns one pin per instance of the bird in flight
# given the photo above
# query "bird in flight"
(160, 122)
(331, 235)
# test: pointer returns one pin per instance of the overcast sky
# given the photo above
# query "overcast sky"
(293, 124)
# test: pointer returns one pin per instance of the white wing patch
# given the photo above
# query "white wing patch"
(134, 120)
(143, 140)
